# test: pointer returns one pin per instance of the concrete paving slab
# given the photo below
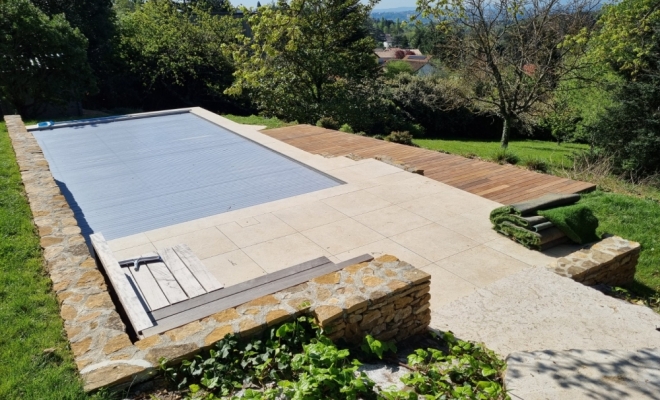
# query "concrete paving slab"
(584, 374)
(536, 309)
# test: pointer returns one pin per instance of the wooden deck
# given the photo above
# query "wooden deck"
(504, 184)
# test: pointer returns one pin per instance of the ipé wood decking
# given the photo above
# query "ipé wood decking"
(504, 184)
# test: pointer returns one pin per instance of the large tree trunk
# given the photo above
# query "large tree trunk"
(505, 131)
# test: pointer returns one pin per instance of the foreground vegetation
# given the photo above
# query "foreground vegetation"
(35, 361)
(297, 361)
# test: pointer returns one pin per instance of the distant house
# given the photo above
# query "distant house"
(395, 53)
(419, 62)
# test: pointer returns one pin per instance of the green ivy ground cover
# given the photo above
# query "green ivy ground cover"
(297, 361)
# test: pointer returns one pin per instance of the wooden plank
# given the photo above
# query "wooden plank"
(244, 296)
(135, 308)
(186, 279)
(473, 176)
(167, 282)
(203, 275)
(149, 287)
(218, 294)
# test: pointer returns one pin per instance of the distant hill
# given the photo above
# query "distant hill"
(395, 9)
(402, 13)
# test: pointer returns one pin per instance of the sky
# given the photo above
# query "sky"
(381, 5)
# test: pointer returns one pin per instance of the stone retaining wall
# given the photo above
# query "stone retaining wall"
(398, 308)
(612, 261)
(386, 297)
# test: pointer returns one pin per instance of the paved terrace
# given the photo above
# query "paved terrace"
(381, 209)
(504, 184)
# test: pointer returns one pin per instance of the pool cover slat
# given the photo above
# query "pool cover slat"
(127, 177)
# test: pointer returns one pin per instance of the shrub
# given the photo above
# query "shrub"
(379, 137)
(346, 128)
(400, 137)
(361, 133)
(328, 123)
(506, 157)
(536, 164)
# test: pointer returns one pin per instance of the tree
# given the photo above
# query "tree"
(306, 59)
(511, 54)
(394, 68)
(628, 36)
(94, 18)
(42, 60)
(628, 132)
(178, 51)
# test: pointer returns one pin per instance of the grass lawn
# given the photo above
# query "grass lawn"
(270, 123)
(635, 219)
(550, 152)
(29, 314)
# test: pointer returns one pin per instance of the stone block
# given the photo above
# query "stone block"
(146, 343)
(183, 332)
(218, 334)
(117, 343)
(274, 317)
(327, 279)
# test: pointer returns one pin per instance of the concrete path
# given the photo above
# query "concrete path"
(563, 339)
(584, 374)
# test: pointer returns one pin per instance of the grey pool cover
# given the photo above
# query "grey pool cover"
(126, 177)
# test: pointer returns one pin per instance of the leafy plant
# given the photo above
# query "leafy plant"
(466, 371)
(504, 156)
(376, 347)
(346, 128)
(536, 164)
(400, 137)
(328, 123)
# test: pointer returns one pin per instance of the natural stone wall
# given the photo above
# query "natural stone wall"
(612, 261)
(386, 297)
(396, 307)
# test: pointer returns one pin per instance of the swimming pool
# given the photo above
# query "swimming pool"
(123, 176)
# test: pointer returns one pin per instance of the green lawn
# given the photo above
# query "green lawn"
(635, 219)
(29, 314)
(550, 152)
(270, 123)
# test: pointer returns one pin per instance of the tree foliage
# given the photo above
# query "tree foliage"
(627, 42)
(306, 59)
(629, 132)
(178, 50)
(511, 53)
(42, 59)
(628, 35)
(94, 18)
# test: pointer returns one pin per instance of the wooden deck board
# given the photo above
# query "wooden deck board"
(500, 183)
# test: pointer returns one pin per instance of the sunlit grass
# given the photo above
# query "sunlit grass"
(550, 152)
(270, 123)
